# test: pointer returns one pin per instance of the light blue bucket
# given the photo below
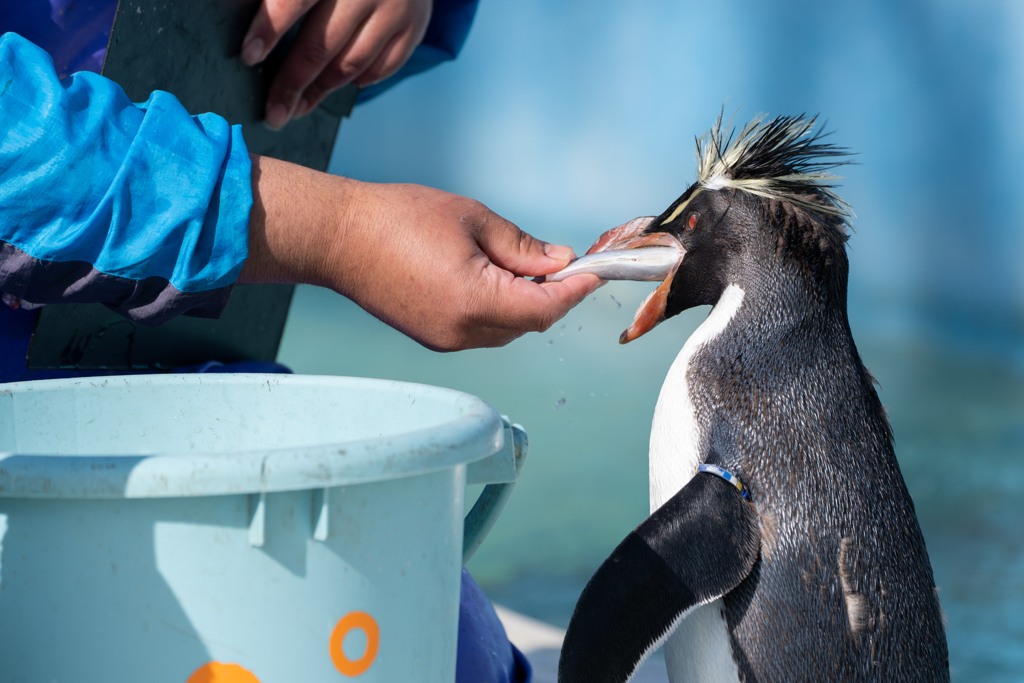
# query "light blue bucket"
(240, 528)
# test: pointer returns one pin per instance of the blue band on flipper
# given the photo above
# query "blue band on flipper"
(725, 474)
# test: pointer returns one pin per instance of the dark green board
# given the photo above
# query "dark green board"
(190, 49)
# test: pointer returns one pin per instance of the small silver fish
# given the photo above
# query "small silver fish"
(644, 264)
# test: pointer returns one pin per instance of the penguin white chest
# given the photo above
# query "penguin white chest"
(675, 432)
(699, 649)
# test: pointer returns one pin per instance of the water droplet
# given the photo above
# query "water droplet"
(550, 342)
(559, 403)
(617, 304)
(581, 329)
(560, 359)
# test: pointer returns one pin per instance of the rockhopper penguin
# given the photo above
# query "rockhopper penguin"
(799, 558)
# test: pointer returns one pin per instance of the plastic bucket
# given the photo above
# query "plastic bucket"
(238, 528)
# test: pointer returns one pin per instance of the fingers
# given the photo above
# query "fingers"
(338, 74)
(507, 307)
(390, 60)
(272, 21)
(332, 39)
(528, 308)
(341, 42)
(519, 305)
(519, 252)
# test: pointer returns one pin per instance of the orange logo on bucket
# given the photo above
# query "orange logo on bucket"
(365, 623)
(216, 672)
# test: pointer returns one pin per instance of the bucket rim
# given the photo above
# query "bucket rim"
(475, 431)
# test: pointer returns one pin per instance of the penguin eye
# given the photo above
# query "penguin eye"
(692, 221)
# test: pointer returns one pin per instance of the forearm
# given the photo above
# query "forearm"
(297, 224)
(439, 267)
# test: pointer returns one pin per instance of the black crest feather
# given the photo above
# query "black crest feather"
(784, 159)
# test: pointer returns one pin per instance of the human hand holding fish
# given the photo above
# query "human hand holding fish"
(441, 268)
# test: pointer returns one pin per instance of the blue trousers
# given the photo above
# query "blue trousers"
(485, 653)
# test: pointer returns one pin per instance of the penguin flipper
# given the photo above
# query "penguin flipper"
(695, 548)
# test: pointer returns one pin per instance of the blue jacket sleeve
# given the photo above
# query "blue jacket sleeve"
(143, 207)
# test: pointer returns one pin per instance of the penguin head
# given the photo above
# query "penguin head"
(762, 213)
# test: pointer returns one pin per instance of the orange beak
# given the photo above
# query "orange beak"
(631, 236)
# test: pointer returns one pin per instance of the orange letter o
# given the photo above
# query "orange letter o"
(218, 672)
(366, 623)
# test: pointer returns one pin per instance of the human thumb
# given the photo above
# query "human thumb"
(517, 251)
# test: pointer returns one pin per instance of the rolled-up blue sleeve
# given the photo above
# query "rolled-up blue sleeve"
(141, 207)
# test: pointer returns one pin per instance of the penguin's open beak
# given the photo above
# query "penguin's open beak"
(628, 253)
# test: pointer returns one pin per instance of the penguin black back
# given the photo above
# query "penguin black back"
(787, 405)
(772, 390)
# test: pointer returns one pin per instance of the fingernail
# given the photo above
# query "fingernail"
(558, 252)
(252, 52)
(276, 117)
(599, 285)
(302, 108)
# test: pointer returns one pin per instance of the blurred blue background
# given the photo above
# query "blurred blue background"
(569, 118)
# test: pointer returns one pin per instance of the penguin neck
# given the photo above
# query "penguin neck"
(781, 304)
(765, 304)
(721, 316)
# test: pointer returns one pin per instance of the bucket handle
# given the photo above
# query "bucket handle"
(492, 500)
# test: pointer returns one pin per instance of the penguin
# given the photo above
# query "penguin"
(782, 543)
